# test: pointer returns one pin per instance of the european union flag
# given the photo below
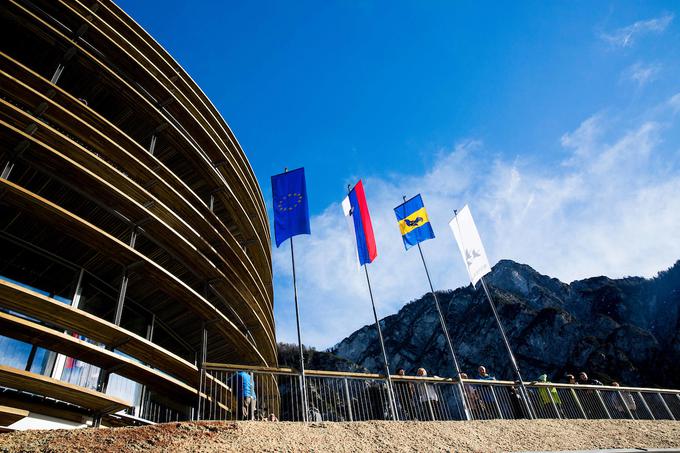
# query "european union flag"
(291, 211)
(413, 222)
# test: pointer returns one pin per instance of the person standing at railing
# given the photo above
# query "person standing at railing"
(516, 401)
(476, 404)
(483, 374)
(549, 397)
(428, 398)
(623, 400)
(405, 393)
(584, 380)
(488, 395)
(245, 387)
(592, 400)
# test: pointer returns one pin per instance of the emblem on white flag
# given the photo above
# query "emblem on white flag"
(470, 245)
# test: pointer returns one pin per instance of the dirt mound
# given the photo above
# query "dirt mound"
(477, 436)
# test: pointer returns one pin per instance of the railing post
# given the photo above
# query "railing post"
(303, 407)
(599, 397)
(578, 403)
(466, 407)
(201, 371)
(552, 400)
(429, 403)
(663, 402)
(348, 400)
(96, 419)
(644, 403)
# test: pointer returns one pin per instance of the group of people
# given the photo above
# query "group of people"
(423, 400)
(621, 403)
(417, 401)
(420, 401)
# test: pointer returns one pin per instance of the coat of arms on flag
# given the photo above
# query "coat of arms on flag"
(414, 224)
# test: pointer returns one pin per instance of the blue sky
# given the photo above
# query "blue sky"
(556, 121)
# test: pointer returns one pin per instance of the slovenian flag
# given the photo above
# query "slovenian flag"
(355, 205)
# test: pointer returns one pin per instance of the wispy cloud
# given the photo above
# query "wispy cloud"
(612, 210)
(674, 102)
(626, 36)
(641, 73)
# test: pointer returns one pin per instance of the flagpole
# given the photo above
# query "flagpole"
(524, 391)
(303, 384)
(446, 331)
(390, 390)
(447, 336)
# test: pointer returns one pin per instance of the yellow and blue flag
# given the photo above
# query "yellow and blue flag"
(414, 224)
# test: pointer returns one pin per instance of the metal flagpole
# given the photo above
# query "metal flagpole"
(523, 390)
(446, 332)
(447, 336)
(390, 390)
(303, 384)
(525, 393)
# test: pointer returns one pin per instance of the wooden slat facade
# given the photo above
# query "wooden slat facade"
(17, 298)
(122, 189)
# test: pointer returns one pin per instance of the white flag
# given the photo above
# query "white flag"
(470, 245)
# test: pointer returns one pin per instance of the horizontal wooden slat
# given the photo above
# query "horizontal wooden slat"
(235, 367)
(33, 333)
(9, 415)
(38, 406)
(53, 388)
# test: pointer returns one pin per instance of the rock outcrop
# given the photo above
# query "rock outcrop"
(625, 329)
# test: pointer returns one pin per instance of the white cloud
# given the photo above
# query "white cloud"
(641, 73)
(674, 102)
(611, 210)
(626, 36)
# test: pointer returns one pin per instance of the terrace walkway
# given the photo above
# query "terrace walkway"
(337, 396)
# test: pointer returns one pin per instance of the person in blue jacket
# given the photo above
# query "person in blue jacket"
(245, 388)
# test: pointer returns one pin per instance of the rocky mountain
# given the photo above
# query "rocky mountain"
(625, 329)
(315, 360)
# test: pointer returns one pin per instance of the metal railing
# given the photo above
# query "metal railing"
(233, 392)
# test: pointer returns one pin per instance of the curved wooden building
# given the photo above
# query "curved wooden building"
(134, 240)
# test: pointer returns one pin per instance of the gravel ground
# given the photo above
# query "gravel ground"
(477, 436)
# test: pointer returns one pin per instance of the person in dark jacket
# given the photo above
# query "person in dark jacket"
(584, 380)
(405, 395)
(589, 398)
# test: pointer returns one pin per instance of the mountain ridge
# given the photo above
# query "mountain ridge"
(616, 329)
